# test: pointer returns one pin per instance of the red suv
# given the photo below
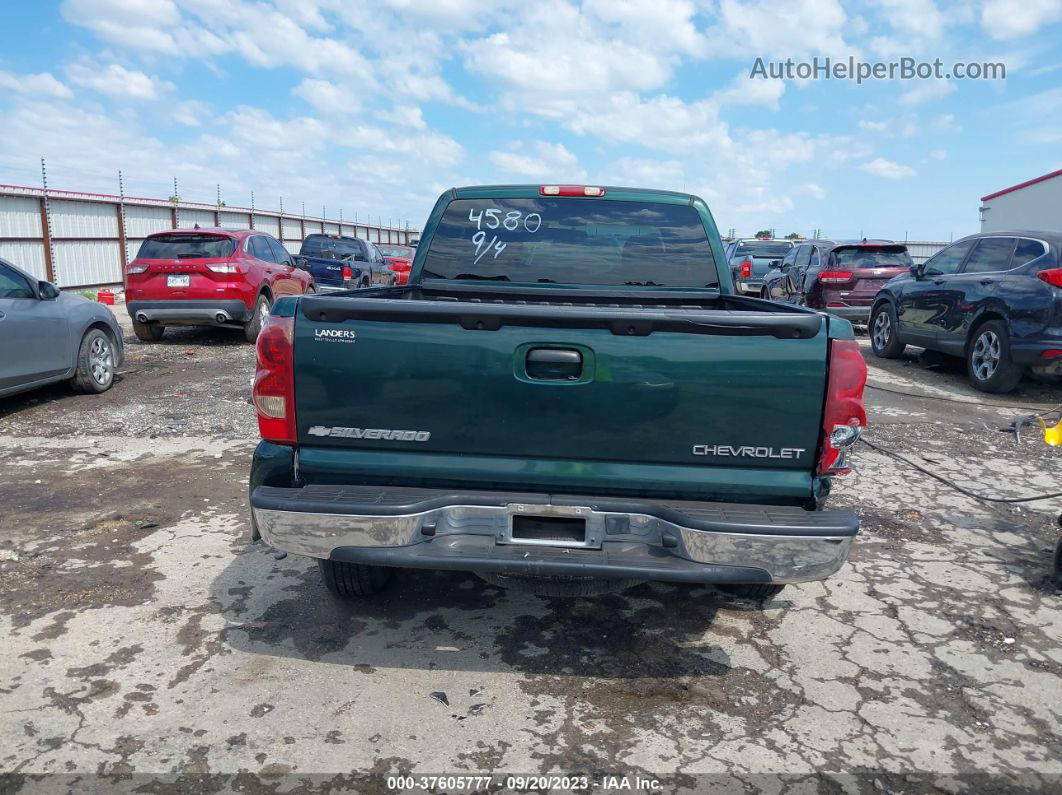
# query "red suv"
(209, 277)
(399, 259)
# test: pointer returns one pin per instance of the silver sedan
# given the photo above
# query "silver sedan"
(48, 336)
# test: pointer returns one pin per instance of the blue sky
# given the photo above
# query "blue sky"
(377, 107)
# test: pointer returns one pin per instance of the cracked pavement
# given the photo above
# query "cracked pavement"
(147, 644)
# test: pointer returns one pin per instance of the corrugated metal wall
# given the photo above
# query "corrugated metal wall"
(187, 219)
(85, 230)
(21, 240)
(267, 223)
(27, 254)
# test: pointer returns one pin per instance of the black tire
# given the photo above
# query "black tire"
(758, 592)
(882, 330)
(988, 363)
(95, 363)
(364, 283)
(354, 579)
(148, 332)
(253, 327)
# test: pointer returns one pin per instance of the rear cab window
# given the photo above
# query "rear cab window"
(862, 257)
(315, 246)
(550, 240)
(766, 248)
(403, 252)
(187, 246)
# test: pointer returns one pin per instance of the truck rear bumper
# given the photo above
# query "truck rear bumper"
(551, 535)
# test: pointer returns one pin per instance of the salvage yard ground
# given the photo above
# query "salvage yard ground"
(145, 638)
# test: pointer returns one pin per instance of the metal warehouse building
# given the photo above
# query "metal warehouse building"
(78, 239)
(1035, 204)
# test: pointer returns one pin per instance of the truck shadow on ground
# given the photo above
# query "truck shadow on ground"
(456, 621)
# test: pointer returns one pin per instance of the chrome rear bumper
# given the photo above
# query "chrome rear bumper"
(686, 542)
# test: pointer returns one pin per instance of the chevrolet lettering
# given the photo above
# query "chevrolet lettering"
(748, 452)
(568, 344)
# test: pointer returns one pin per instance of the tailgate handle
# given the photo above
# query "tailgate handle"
(554, 364)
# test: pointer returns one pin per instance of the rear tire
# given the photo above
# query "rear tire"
(349, 580)
(95, 363)
(882, 329)
(988, 363)
(364, 283)
(148, 332)
(253, 327)
(758, 592)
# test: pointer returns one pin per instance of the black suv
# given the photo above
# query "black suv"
(994, 298)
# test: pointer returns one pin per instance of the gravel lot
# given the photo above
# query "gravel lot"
(150, 647)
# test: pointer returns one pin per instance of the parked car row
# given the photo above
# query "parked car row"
(180, 277)
(994, 299)
(224, 277)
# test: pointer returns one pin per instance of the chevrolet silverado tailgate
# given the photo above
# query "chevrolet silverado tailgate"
(441, 384)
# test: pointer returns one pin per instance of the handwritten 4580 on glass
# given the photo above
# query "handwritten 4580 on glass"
(492, 219)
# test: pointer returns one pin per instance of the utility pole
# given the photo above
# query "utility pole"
(46, 228)
(176, 198)
(122, 252)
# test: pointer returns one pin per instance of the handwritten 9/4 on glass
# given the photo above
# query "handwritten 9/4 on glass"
(492, 219)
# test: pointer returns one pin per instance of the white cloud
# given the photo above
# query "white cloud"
(927, 91)
(887, 169)
(814, 190)
(404, 115)
(747, 91)
(938, 154)
(191, 112)
(668, 24)
(945, 123)
(918, 18)
(539, 160)
(873, 126)
(791, 29)
(552, 56)
(43, 84)
(117, 81)
(327, 96)
(1010, 19)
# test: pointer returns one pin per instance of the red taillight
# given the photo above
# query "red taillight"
(1052, 276)
(746, 269)
(348, 274)
(570, 190)
(836, 277)
(1051, 353)
(844, 404)
(274, 381)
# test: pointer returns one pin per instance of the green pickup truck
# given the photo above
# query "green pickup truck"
(568, 393)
